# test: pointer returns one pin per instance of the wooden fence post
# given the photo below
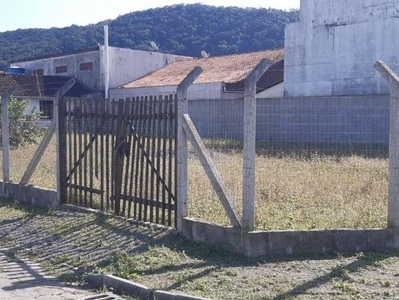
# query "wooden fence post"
(119, 153)
(59, 118)
(393, 185)
(248, 212)
(182, 108)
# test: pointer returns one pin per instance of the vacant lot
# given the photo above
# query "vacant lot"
(292, 192)
(295, 193)
(70, 244)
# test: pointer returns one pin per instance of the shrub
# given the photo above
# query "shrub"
(25, 127)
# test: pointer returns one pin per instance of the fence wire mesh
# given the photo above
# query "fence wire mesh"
(26, 131)
(321, 162)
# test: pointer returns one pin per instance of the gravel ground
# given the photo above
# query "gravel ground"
(69, 244)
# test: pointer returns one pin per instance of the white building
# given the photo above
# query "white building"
(333, 47)
(89, 66)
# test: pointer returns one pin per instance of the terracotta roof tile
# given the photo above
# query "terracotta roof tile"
(228, 69)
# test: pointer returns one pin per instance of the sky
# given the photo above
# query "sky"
(16, 14)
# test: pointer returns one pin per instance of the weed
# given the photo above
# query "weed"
(127, 274)
(386, 284)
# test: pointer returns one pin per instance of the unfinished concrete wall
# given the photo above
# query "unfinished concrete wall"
(127, 65)
(337, 122)
(290, 242)
(332, 49)
(29, 194)
(196, 91)
(276, 91)
(89, 68)
(86, 67)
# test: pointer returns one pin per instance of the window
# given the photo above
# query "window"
(38, 71)
(46, 109)
(86, 66)
(61, 69)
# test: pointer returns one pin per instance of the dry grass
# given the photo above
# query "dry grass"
(291, 193)
(45, 175)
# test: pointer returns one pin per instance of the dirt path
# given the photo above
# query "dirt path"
(21, 279)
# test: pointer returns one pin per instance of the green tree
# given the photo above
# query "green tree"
(25, 128)
(183, 29)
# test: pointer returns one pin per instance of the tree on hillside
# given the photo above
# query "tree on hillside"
(178, 29)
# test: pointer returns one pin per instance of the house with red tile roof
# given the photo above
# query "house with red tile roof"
(223, 77)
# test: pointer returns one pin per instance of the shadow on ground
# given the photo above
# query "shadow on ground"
(70, 244)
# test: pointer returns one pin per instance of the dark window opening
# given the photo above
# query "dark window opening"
(38, 72)
(61, 69)
(86, 66)
(46, 109)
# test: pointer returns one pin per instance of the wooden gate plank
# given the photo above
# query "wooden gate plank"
(119, 155)
(136, 154)
(142, 185)
(152, 151)
(127, 151)
(147, 142)
(158, 156)
(171, 155)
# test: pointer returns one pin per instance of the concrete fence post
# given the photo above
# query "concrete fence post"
(393, 185)
(5, 138)
(248, 211)
(182, 183)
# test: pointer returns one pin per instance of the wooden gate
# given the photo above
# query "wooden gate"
(120, 156)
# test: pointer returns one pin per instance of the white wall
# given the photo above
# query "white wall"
(196, 91)
(275, 91)
(33, 105)
(127, 65)
(332, 49)
(90, 78)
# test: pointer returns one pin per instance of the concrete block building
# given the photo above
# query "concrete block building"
(90, 68)
(332, 49)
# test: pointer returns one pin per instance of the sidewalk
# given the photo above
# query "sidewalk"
(22, 280)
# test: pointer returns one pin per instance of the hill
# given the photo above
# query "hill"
(179, 29)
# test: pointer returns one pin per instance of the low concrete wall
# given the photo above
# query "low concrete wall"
(290, 242)
(251, 244)
(29, 194)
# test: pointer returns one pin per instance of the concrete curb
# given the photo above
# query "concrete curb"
(129, 288)
(162, 295)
